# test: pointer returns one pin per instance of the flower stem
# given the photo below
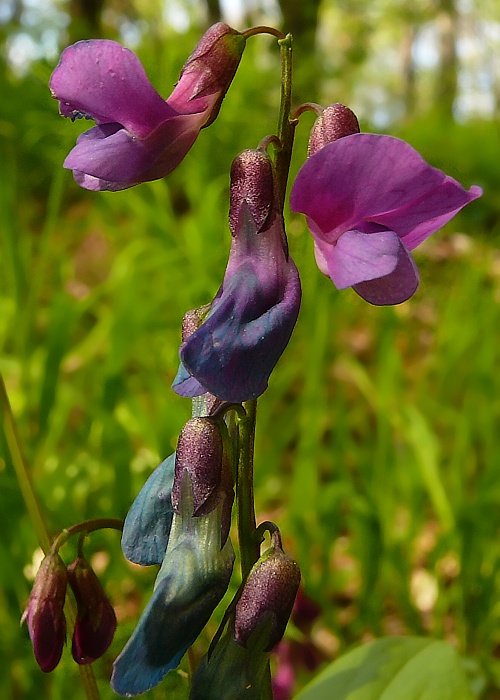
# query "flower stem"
(35, 513)
(262, 29)
(85, 528)
(286, 128)
(249, 545)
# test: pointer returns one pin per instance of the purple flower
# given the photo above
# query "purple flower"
(369, 200)
(139, 136)
(249, 323)
(45, 612)
(96, 620)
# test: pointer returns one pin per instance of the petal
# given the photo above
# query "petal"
(186, 385)
(419, 219)
(109, 152)
(102, 79)
(157, 645)
(363, 176)
(112, 155)
(234, 351)
(394, 288)
(358, 257)
(147, 526)
(192, 580)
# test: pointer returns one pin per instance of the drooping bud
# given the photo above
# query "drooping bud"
(199, 453)
(45, 612)
(268, 595)
(213, 63)
(335, 122)
(252, 182)
(96, 620)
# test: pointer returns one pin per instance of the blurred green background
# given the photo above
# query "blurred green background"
(378, 441)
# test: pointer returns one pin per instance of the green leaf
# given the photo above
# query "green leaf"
(393, 668)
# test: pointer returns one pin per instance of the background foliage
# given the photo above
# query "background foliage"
(378, 440)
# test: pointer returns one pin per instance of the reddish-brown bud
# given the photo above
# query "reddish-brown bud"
(214, 61)
(252, 183)
(96, 620)
(335, 122)
(45, 612)
(268, 595)
(199, 452)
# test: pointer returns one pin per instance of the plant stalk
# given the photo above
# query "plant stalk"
(35, 513)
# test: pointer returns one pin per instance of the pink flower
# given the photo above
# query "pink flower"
(139, 136)
(369, 200)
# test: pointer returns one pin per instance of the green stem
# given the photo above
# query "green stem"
(249, 545)
(286, 128)
(34, 511)
(21, 469)
(86, 527)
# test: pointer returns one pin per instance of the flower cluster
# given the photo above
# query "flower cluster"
(369, 200)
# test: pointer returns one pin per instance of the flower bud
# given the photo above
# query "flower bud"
(252, 182)
(213, 64)
(268, 595)
(199, 453)
(336, 121)
(96, 620)
(45, 612)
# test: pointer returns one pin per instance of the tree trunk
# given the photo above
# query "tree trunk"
(447, 73)
(85, 19)
(409, 73)
(214, 13)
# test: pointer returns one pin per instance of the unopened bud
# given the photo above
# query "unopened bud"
(192, 320)
(252, 182)
(335, 122)
(214, 62)
(45, 612)
(199, 453)
(268, 595)
(96, 620)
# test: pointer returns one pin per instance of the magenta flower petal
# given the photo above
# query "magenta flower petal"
(394, 288)
(110, 153)
(419, 219)
(369, 177)
(369, 199)
(105, 81)
(358, 257)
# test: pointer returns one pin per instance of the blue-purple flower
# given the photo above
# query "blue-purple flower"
(191, 582)
(369, 200)
(198, 560)
(249, 323)
(139, 136)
